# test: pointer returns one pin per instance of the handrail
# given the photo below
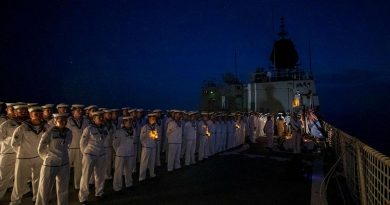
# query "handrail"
(367, 171)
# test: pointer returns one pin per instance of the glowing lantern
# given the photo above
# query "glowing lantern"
(153, 134)
(208, 134)
(296, 100)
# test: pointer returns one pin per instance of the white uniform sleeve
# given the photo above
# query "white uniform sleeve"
(84, 139)
(143, 134)
(43, 145)
(17, 138)
(69, 138)
(116, 141)
(2, 131)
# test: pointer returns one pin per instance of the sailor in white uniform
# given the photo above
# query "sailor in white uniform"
(25, 141)
(231, 130)
(296, 127)
(124, 153)
(76, 123)
(174, 136)
(203, 134)
(224, 132)
(160, 128)
(92, 147)
(212, 130)
(53, 149)
(149, 135)
(252, 127)
(269, 132)
(108, 142)
(7, 153)
(190, 129)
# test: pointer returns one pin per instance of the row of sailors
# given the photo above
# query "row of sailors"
(42, 149)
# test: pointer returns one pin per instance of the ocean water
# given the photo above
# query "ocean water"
(371, 129)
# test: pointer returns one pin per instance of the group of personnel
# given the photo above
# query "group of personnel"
(283, 125)
(40, 147)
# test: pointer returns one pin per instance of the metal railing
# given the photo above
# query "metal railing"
(367, 171)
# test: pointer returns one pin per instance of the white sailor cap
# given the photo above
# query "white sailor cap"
(156, 110)
(32, 104)
(47, 106)
(204, 113)
(132, 110)
(97, 113)
(105, 110)
(35, 109)
(20, 106)
(140, 110)
(102, 109)
(152, 115)
(192, 113)
(125, 108)
(127, 118)
(91, 107)
(74, 106)
(114, 110)
(62, 105)
(55, 115)
(175, 111)
(10, 104)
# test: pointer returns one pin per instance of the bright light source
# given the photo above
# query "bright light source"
(296, 100)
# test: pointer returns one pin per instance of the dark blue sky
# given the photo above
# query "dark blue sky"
(157, 53)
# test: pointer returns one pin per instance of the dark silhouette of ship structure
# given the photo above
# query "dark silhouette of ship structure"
(344, 170)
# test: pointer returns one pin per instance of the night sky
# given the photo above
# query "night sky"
(156, 54)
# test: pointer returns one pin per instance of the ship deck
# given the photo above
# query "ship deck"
(246, 175)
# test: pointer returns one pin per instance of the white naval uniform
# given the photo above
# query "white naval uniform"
(239, 137)
(211, 138)
(257, 127)
(231, 130)
(252, 121)
(148, 155)
(223, 135)
(189, 135)
(288, 119)
(296, 127)
(92, 148)
(75, 155)
(218, 136)
(263, 120)
(140, 123)
(165, 140)
(158, 148)
(25, 141)
(269, 132)
(109, 150)
(174, 135)
(183, 141)
(124, 154)
(53, 149)
(203, 140)
(7, 155)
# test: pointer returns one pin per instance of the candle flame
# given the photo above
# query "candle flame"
(153, 134)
